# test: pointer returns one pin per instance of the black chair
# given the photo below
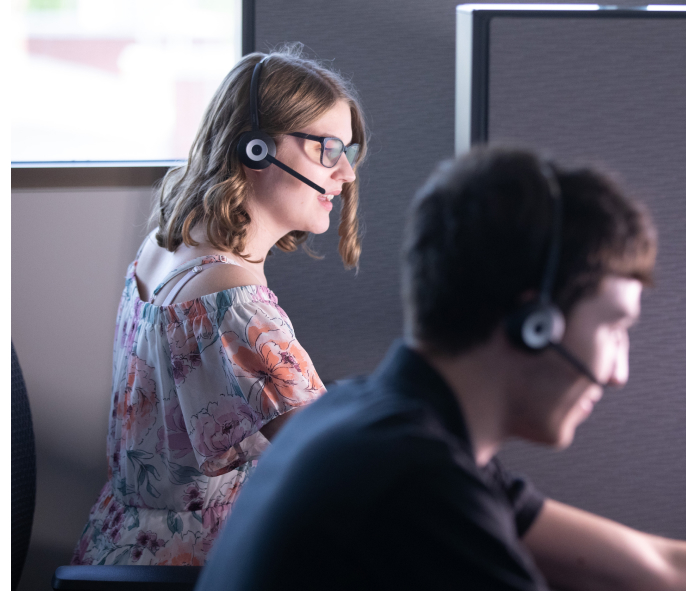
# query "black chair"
(130, 578)
(72, 578)
(23, 472)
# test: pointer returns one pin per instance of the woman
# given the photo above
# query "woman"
(206, 364)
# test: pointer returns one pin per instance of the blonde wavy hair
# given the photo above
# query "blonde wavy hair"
(213, 189)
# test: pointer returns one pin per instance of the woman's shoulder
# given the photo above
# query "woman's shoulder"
(249, 304)
(155, 266)
(216, 279)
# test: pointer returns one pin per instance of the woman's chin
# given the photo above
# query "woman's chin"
(320, 227)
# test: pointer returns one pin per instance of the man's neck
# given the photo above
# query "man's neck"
(477, 382)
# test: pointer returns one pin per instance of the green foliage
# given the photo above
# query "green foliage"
(52, 5)
(174, 523)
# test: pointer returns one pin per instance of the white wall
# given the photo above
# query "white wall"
(70, 251)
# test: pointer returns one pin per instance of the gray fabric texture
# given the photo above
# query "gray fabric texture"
(607, 93)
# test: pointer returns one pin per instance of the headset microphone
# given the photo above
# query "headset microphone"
(256, 149)
(577, 363)
(538, 325)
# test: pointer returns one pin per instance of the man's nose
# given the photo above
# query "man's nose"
(620, 370)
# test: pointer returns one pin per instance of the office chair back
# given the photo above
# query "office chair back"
(23, 471)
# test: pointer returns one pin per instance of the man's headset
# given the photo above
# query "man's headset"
(540, 324)
(256, 149)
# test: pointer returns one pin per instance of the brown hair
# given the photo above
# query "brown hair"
(212, 188)
(478, 237)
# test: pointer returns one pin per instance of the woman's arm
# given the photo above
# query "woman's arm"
(577, 550)
(274, 426)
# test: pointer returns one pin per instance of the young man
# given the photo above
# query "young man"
(520, 283)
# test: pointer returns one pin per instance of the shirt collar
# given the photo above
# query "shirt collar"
(411, 375)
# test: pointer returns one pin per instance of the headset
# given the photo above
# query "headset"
(540, 324)
(256, 149)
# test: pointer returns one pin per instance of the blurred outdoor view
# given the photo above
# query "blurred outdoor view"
(116, 79)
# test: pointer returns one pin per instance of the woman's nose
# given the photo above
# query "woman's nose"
(343, 171)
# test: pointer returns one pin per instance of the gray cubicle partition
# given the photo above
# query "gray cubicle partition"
(605, 86)
(628, 460)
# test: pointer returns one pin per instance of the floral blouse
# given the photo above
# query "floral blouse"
(193, 384)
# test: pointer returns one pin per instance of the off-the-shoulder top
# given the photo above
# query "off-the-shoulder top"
(192, 385)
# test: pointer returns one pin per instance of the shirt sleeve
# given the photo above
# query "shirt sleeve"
(460, 535)
(525, 499)
(236, 366)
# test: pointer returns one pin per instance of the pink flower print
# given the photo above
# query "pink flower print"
(156, 544)
(115, 403)
(137, 407)
(213, 519)
(185, 354)
(183, 364)
(80, 552)
(193, 498)
(129, 333)
(193, 309)
(143, 538)
(195, 359)
(222, 425)
(148, 539)
(276, 363)
(214, 516)
(136, 553)
(173, 318)
(196, 314)
(288, 359)
(111, 513)
(180, 550)
(173, 435)
(267, 296)
(113, 524)
(264, 294)
(208, 541)
(180, 369)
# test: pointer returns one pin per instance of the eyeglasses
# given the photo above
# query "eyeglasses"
(332, 148)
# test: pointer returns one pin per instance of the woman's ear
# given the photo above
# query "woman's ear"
(250, 171)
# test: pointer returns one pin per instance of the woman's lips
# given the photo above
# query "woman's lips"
(325, 200)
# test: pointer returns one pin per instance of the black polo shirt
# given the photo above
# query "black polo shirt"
(374, 486)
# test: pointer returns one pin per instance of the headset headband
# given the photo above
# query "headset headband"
(256, 149)
(548, 282)
(254, 94)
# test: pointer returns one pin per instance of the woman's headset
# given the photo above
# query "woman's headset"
(256, 149)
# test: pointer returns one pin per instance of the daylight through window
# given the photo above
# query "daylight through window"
(116, 80)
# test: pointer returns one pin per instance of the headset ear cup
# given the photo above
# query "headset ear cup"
(535, 326)
(253, 147)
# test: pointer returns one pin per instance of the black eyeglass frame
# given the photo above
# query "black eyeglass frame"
(322, 140)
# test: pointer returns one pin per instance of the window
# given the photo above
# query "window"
(116, 80)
